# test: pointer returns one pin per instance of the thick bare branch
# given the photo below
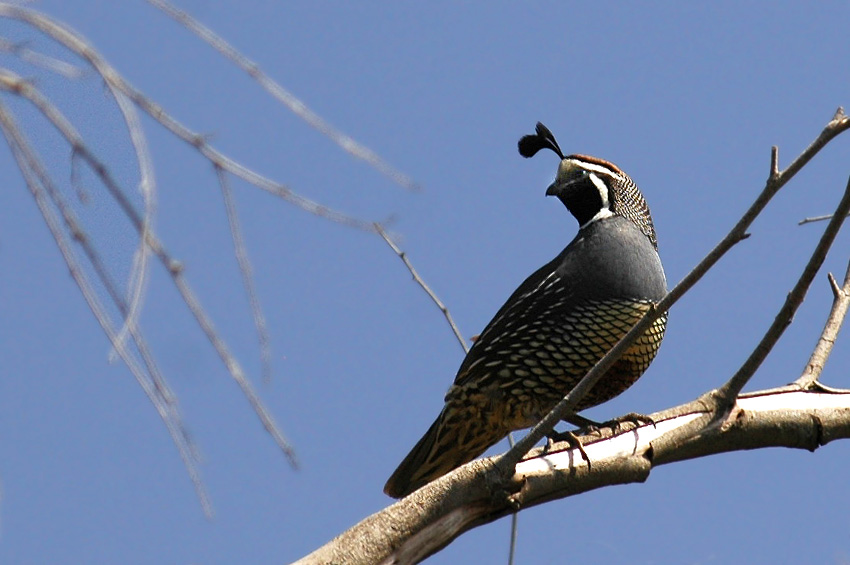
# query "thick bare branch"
(426, 521)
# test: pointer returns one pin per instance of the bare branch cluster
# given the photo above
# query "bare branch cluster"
(88, 269)
(285, 97)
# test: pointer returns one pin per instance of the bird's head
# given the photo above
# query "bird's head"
(591, 188)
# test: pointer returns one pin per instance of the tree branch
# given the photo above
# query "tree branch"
(118, 84)
(840, 303)
(433, 296)
(15, 84)
(439, 303)
(783, 319)
(52, 64)
(149, 377)
(240, 250)
(426, 521)
(345, 142)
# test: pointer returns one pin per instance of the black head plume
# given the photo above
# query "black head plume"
(529, 145)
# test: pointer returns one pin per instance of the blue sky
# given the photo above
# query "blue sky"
(686, 99)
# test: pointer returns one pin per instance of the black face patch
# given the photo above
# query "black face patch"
(581, 195)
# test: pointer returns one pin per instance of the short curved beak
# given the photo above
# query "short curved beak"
(554, 189)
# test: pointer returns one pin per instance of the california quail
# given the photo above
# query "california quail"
(556, 325)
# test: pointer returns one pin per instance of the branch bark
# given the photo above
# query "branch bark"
(840, 303)
(429, 519)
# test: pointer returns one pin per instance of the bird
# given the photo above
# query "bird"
(559, 322)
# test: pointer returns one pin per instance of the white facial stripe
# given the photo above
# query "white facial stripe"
(605, 211)
(602, 188)
(592, 167)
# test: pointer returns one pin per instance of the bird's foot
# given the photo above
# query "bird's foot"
(583, 424)
(571, 439)
(612, 427)
(633, 418)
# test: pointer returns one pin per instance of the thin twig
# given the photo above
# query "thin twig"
(147, 187)
(173, 266)
(12, 82)
(840, 304)
(418, 279)
(783, 319)
(775, 181)
(836, 125)
(403, 256)
(774, 162)
(57, 66)
(232, 365)
(814, 219)
(116, 82)
(241, 252)
(138, 271)
(284, 96)
(36, 179)
(514, 532)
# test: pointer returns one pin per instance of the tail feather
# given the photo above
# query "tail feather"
(449, 443)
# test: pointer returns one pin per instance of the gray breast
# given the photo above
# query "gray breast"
(612, 258)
